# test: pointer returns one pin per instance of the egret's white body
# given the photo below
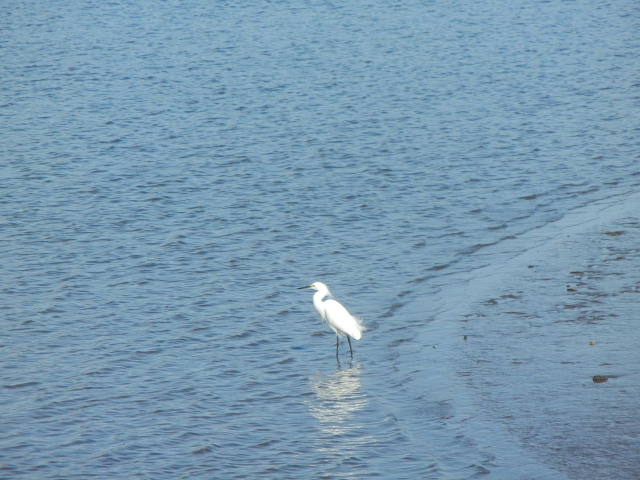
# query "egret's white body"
(336, 316)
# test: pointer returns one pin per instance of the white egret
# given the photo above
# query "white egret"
(336, 316)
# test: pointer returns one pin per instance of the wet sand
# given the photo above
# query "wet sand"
(546, 346)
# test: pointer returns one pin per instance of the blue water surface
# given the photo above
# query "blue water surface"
(172, 171)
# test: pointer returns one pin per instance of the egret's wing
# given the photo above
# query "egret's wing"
(341, 320)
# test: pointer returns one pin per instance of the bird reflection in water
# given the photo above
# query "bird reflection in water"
(338, 397)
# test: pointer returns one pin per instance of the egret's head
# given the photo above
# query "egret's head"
(319, 286)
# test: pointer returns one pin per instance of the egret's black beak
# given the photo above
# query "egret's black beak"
(300, 288)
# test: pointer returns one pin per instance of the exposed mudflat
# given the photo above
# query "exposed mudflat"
(551, 344)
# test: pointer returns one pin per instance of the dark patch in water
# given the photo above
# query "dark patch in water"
(437, 268)
(389, 313)
(201, 451)
(21, 385)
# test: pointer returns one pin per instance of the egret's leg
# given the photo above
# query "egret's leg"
(337, 343)
(349, 340)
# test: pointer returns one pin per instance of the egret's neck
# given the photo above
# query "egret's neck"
(317, 298)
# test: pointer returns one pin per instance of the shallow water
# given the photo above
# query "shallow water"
(537, 331)
(171, 172)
